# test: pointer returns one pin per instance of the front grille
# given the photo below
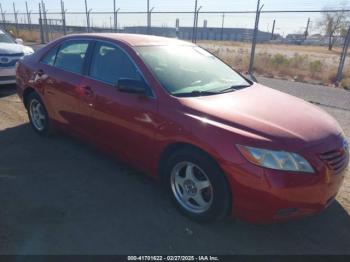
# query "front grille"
(336, 160)
(11, 55)
(7, 78)
(9, 64)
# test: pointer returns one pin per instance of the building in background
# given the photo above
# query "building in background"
(203, 33)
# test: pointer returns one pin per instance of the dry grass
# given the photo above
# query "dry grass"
(311, 64)
(31, 35)
(276, 47)
(346, 83)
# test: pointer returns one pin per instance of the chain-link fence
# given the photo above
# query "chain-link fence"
(282, 44)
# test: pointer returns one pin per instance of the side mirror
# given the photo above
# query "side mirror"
(19, 41)
(131, 86)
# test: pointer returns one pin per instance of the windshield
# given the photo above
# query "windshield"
(190, 70)
(4, 38)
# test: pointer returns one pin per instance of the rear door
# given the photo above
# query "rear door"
(61, 76)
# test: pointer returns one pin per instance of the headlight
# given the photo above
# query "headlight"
(27, 50)
(279, 160)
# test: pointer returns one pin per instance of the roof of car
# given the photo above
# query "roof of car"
(137, 39)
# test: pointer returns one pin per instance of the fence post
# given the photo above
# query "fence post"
(196, 28)
(116, 20)
(254, 40)
(3, 17)
(148, 19)
(41, 26)
(194, 22)
(44, 19)
(28, 17)
(306, 33)
(115, 17)
(273, 29)
(222, 26)
(343, 57)
(63, 11)
(16, 18)
(87, 13)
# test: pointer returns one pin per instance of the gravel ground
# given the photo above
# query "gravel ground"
(60, 196)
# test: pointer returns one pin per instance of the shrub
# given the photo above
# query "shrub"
(315, 67)
(345, 83)
(280, 60)
(298, 61)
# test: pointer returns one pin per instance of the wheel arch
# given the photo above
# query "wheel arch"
(171, 148)
(27, 91)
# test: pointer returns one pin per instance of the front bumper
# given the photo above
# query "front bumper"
(263, 195)
(7, 75)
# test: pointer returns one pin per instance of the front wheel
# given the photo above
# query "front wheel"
(197, 185)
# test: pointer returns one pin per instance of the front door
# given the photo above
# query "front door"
(123, 121)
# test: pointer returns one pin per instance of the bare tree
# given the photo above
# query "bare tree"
(334, 24)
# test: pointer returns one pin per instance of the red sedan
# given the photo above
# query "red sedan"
(220, 143)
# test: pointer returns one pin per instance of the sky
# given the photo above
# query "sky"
(285, 22)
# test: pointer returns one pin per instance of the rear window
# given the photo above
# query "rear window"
(50, 57)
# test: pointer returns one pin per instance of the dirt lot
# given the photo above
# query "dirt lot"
(60, 196)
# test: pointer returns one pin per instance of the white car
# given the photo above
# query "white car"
(10, 52)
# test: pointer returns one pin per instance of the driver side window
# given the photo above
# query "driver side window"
(110, 63)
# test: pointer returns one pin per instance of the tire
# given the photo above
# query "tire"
(38, 116)
(192, 194)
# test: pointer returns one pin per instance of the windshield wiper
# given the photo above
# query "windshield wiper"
(195, 93)
(208, 93)
(232, 88)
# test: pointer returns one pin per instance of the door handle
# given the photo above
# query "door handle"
(40, 72)
(88, 91)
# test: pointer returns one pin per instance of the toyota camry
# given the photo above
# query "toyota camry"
(219, 143)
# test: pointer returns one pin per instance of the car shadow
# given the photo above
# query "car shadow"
(61, 196)
(7, 90)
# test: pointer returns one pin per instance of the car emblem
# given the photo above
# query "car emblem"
(4, 60)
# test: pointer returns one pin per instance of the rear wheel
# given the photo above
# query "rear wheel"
(197, 185)
(38, 116)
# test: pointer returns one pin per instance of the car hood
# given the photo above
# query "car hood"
(9, 49)
(263, 115)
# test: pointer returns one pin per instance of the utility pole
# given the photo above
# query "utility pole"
(306, 33)
(222, 26)
(194, 21)
(273, 29)
(343, 57)
(254, 40)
